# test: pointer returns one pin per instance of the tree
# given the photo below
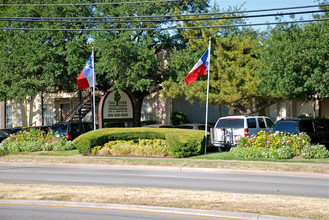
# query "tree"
(234, 61)
(133, 60)
(41, 61)
(297, 62)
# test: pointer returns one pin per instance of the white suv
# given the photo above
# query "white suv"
(228, 130)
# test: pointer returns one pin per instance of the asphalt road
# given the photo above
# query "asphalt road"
(212, 181)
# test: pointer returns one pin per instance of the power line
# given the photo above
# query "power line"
(180, 15)
(86, 4)
(168, 20)
(166, 28)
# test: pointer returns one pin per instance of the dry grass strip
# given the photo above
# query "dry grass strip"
(302, 207)
(218, 164)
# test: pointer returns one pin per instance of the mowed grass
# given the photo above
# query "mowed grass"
(313, 208)
(219, 160)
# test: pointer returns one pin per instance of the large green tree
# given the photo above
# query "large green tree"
(234, 62)
(297, 62)
(133, 60)
(40, 61)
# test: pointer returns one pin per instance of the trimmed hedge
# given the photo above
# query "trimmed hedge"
(182, 142)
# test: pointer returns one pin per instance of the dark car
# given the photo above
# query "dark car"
(195, 126)
(6, 132)
(317, 129)
(158, 126)
(71, 130)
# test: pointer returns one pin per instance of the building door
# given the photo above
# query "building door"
(65, 109)
(9, 116)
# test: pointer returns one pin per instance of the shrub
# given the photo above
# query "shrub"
(315, 151)
(142, 147)
(178, 118)
(181, 142)
(278, 146)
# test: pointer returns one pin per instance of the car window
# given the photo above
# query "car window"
(251, 123)
(75, 128)
(4, 132)
(306, 126)
(88, 127)
(61, 128)
(261, 123)
(230, 123)
(320, 125)
(269, 123)
(287, 126)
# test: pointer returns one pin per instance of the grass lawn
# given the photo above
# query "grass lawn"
(219, 160)
(229, 156)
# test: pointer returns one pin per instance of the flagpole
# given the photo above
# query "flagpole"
(206, 130)
(94, 84)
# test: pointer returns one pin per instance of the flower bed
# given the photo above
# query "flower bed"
(278, 146)
(33, 140)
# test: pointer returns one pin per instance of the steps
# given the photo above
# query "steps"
(81, 109)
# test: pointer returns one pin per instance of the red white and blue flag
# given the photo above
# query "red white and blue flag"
(200, 68)
(87, 76)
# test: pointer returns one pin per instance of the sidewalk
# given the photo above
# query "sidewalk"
(147, 209)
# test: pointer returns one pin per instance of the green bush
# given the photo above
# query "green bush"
(142, 147)
(315, 152)
(278, 146)
(181, 142)
(178, 118)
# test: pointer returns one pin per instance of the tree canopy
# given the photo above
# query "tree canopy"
(296, 62)
(40, 61)
(34, 61)
(233, 64)
(247, 72)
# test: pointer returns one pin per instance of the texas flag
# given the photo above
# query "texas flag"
(200, 68)
(87, 75)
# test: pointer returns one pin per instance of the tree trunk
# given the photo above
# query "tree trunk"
(137, 101)
(2, 114)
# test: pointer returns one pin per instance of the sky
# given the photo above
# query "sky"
(267, 4)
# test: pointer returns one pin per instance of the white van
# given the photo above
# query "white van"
(228, 130)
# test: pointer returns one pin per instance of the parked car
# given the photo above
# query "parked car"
(228, 130)
(71, 130)
(6, 132)
(158, 126)
(195, 126)
(317, 129)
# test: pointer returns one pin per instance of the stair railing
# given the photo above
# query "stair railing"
(78, 106)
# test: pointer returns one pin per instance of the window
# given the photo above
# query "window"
(261, 123)
(48, 114)
(75, 128)
(320, 125)
(230, 123)
(251, 123)
(306, 126)
(9, 116)
(269, 123)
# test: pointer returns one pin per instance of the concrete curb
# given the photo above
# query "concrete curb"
(149, 209)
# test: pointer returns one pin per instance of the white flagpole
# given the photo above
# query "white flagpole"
(206, 131)
(94, 84)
